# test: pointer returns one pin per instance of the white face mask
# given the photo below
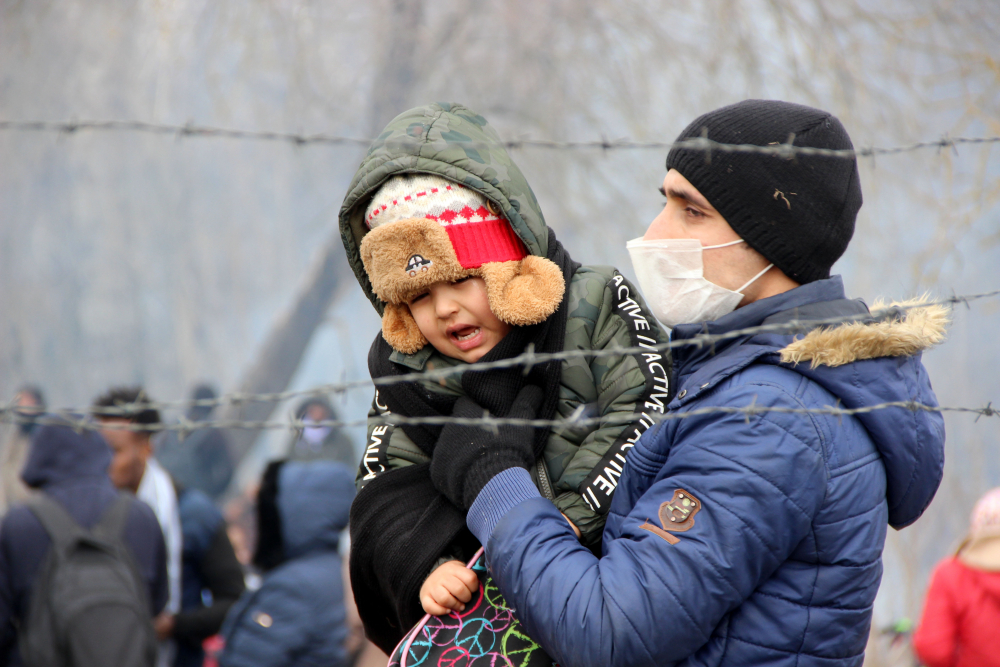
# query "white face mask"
(672, 278)
(314, 435)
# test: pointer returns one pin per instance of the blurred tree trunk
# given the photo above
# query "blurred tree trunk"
(287, 342)
(396, 75)
(285, 345)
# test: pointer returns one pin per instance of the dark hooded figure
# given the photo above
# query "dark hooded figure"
(201, 459)
(71, 468)
(297, 616)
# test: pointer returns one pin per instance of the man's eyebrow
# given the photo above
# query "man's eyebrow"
(687, 195)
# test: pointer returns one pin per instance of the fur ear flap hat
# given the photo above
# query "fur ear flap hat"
(426, 229)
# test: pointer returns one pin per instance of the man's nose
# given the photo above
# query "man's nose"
(662, 226)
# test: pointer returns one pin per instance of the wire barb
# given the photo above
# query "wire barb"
(487, 421)
(528, 358)
(702, 143)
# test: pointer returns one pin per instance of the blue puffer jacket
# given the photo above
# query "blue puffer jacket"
(297, 617)
(739, 539)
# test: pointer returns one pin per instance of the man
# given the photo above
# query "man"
(209, 566)
(29, 402)
(71, 468)
(200, 460)
(746, 538)
(123, 412)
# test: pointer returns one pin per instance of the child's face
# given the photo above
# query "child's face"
(456, 319)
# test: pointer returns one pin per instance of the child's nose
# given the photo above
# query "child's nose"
(445, 306)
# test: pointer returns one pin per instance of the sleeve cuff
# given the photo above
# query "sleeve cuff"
(506, 490)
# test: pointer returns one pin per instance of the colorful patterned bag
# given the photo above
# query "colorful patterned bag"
(486, 634)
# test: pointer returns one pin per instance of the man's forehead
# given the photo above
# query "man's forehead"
(675, 185)
(116, 429)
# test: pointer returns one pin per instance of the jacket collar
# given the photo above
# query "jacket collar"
(701, 365)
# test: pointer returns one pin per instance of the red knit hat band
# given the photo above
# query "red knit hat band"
(478, 243)
(475, 226)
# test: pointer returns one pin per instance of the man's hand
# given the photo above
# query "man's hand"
(467, 456)
(164, 626)
(448, 588)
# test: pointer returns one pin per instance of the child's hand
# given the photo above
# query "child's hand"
(572, 525)
(448, 588)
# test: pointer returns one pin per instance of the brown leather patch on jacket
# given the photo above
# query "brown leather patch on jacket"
(676, 516)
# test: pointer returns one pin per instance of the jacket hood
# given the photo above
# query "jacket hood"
(984, 577)
(868, 363)
(61, 454)
(451, 141)
(314, 501)
(986, 580)
(862, 363)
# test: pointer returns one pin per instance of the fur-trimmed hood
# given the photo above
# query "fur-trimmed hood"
(863, 362)
(909, 328)
(456, 143)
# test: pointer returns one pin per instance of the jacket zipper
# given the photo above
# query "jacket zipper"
(543, 480)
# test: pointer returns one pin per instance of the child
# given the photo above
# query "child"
(447, 240)
(962, 607)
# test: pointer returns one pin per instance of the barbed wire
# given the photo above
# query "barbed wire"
(527, 360)
(487, 422)
(781, 150)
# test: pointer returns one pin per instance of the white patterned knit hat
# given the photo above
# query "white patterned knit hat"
(425, 196)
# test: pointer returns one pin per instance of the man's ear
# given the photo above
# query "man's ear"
(400, 330)
(144, 441)
(523, 292)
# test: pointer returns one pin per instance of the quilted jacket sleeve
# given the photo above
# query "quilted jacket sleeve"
(623, 386)
(650, 600)
(386, 448)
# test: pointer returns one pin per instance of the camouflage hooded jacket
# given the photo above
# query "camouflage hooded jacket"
(581, 464)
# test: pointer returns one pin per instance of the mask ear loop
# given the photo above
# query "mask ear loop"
(750, 282)
(722, 245)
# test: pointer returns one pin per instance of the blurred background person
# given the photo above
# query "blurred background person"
(134, 469)
(297, 616)
(28, 401)
(70, 467)
(211, 578)
(960, 626)
(201, 459)
(317, 440)
(240, 513)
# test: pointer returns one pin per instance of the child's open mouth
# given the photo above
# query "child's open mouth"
(467, 338)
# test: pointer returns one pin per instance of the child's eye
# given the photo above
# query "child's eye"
(417, 298)
(461, 280)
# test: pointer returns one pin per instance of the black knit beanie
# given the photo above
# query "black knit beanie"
(798, 212)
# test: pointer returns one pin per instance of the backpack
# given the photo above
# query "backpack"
(89, 606)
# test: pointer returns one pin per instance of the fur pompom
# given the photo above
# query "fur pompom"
(523, 292)
(400, 329)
